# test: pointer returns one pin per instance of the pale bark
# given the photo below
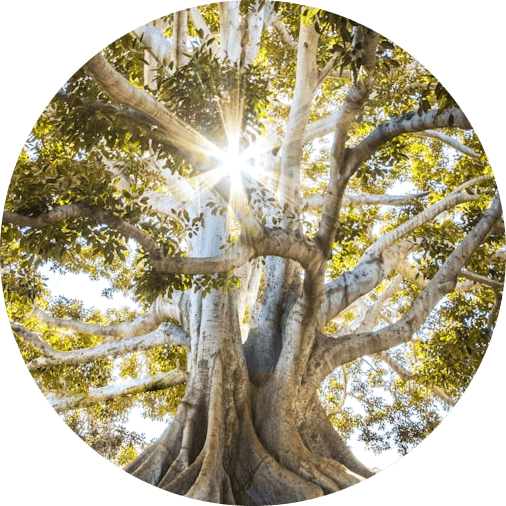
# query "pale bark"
(139, 385)
(338, 169)
(450, 141)
(250, 428)
(482, 280)
(332, 353)
(235, 257)
(160, 311)
(306, 81)
(454, 199)
(326, 126)
(98, 214)
(373, 312)
(368, 274)
(155, 42)
(284, 34)
(253, 32)
(231, 32)
(368, 323)
(284, 243)
(200, 25)
(165, 334)
(187, 140)
(407, 123)
(179, 39)
(365, 199)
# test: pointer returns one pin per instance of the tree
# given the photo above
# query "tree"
(86, 141)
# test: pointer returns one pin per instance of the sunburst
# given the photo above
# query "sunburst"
(239, 166)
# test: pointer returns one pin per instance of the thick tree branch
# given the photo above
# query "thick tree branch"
(407, 123)
(369, 199)
(238, 255)
(332, 353)
(194, 146)
(373, 266)
(352, 285)
(373, 312)
(231, 31)
(131, 118)
(284, 35)
(445, 279)
(325, 126)
(353, 103)
(179, 38)
(454, 199)
(161, 310)
(450, 141)
(98, 214)
(158, 45)
(131, 387)
(482, 280)
(155, 42)
(369, 322)
(166, 334)
(201, 26)
(254, 28)
(366, 40)
(415, 276)
(321, 127)
(289, 244)
(306, 81)
(274, 242)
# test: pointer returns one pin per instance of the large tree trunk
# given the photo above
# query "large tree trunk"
(240, 435)
(235, 442)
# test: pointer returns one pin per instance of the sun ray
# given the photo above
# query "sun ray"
(239, 169)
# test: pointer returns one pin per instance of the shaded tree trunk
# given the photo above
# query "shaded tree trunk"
(237, 441)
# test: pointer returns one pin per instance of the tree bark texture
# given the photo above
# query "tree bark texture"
(238, 441)
(251, 429)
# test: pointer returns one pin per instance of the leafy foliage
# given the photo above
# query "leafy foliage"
(63, 163)
(200, 90)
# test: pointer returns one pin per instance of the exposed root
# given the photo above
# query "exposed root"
(311, 472)
(212, 451)
(314, 450)
(152, 469)
(208, 485)
(259, 479)
(182, 483)
(321, 438)
(153, 462)
(341, 475)
(251, 475)
(330, 475)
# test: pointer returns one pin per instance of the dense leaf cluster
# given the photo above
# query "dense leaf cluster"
(204, 89)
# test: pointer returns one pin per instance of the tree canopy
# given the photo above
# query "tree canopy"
(363, 175)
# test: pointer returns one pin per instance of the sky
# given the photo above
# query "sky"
(90, 291)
